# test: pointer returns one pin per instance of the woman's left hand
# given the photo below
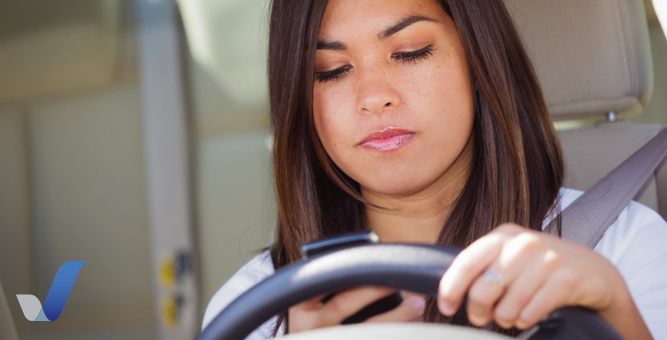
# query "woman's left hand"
(517, 276)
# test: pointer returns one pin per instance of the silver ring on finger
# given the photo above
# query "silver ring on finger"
(492, 276)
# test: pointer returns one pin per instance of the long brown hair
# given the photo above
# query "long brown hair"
(516, 170)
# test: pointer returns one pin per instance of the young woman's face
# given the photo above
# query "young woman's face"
(393, 103)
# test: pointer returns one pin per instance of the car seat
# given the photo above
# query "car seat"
(593, 61)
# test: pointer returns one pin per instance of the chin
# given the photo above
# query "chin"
(397, 185)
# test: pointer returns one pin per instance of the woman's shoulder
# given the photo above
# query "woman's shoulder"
(256, 270)
(636, 243)
(637, 228)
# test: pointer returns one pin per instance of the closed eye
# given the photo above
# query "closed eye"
(407, 57)
(413, 56)
(333, 74)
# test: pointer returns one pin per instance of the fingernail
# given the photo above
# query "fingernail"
(418, 303)
(446, 308)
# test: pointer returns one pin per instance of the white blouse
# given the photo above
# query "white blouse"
(636, 244)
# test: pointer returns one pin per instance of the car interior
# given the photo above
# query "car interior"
(594, 62)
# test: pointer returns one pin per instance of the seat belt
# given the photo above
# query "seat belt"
(587, 218)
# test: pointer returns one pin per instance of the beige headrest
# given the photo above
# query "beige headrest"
(591, 56)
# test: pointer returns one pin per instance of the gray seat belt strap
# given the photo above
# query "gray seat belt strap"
(587, 218)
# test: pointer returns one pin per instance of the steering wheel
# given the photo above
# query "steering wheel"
(416, 268)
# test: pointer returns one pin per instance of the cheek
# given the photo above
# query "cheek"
(332, 125)
(451, 128)
(449, 97)
(441, 100)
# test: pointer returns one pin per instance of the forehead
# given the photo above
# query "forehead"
(344, 17)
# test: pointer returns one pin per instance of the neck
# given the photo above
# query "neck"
(418, 217)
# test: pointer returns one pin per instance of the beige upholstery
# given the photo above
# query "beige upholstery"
(7, 331)
(591, 56)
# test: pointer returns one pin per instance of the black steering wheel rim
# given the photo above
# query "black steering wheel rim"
(416, 268)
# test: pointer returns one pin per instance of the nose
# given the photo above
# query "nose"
(376, 93)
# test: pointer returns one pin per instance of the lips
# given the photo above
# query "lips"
(387, 139)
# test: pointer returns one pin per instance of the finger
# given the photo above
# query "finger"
(303, 312)
(303, 316)
(467, 266)
(484, 293)
(313, 303)
(520, 292)
(553, 294)
(349, 302)
(410, 309)
(482, 297)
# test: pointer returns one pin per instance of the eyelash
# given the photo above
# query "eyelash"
(323, 77)
(406, 57)
(413, 56)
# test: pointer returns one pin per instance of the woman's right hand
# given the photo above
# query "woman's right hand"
(312, 314)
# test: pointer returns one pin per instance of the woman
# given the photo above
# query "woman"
(423, 121)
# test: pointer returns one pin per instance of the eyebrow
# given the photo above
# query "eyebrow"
(331, 45)
(405, 22)
(400, 25)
